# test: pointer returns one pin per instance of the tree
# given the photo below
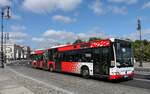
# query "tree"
(78, 41)
(145, 50)
(94, 38)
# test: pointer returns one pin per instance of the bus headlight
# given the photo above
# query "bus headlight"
(115, 73)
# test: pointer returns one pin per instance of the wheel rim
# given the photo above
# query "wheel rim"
(85, 72)
(51, 68)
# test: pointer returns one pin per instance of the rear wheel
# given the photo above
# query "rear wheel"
(34, 65)
(85, 72)
(51, 69)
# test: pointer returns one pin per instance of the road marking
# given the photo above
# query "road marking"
(41, 82)
(142, 79)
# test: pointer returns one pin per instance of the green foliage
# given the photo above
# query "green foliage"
(93, 38)
(141, 48)
(90, 39)
(78, 41)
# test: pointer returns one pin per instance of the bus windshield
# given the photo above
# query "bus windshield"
(124, 55)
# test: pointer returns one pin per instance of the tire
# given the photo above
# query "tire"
(34, 65)
(85, 72)
(51, 69)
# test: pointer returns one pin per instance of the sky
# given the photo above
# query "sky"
(44, 23)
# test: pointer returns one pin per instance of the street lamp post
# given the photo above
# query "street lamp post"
(141, 48)
(6, 37)
(3, 10)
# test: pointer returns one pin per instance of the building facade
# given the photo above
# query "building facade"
(16, 52)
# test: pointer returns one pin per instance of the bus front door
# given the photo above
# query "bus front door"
(101, 62)
(97, 67)
(101, 67)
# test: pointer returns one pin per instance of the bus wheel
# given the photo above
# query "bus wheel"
(51, 69)
(85, 72)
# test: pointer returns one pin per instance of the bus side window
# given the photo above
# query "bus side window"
(88, 57)
(50, 55)
(96, 56)
(105, 54)
(66, 57)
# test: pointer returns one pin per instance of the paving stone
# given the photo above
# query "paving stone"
(16, 90)
(3, 78)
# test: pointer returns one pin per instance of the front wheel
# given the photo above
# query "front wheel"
(85, 72)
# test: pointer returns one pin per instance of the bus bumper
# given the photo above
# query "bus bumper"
(127, 76)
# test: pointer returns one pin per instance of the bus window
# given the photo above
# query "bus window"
(105, 54)
(88, 57)
(96, 56)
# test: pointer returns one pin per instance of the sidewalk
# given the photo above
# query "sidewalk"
(10, 86)
(145, 65)
(145, 68)
(12, 82)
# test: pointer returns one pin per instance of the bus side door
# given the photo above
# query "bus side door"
(45, 59)
(57, 60)
(97, 60)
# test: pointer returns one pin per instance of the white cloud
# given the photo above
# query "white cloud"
(146, 5)
(124, 1)
(59, 35)
(53, 37)
(15, 17)
(62, 35)
(35, 39)
(38, 6)
(42, 42)
(136, 35)
(4, 2)
(119, 10)
(17, 34)
(17, 28)
(97, 7)
(64, 19)
(93, 32)
(17, 37)
(146, 32)
(133, 36)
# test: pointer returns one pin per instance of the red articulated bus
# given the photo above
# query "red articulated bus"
(37, 59)
(109, 58)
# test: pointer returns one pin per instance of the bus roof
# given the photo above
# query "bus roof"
(38, 51)
(90, 44)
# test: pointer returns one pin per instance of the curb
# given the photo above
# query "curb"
(142, 69)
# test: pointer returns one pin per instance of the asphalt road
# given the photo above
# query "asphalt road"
(77, 84)
(139, 81)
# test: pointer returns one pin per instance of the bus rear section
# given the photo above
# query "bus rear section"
(37, 59)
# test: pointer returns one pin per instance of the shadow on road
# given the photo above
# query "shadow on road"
(71, 74)
(143, 76)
